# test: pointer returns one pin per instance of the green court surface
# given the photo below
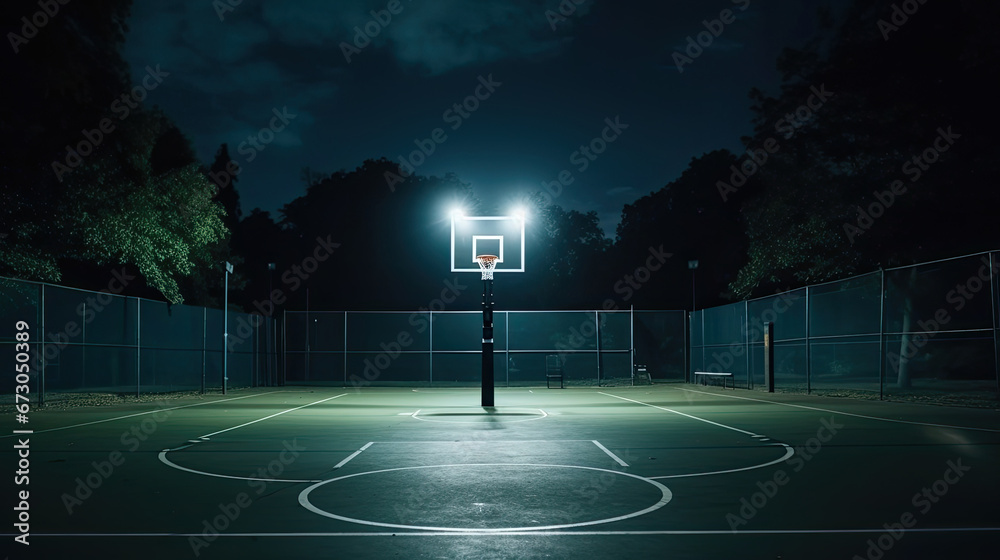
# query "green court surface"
(675, 471)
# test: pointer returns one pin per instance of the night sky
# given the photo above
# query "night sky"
(230, 67)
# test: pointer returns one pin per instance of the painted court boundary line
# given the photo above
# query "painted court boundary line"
(914, 422)
(272, 416)
(665, 496)
(148, 412)
(930, 530)
(163, 458)
(751, 434)
(353, 455)
(163, 454)
(787, 455)
(610, 454)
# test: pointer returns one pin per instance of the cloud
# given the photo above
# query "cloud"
(225, 76)
(619, 191)
(434, 35)
(448, 34)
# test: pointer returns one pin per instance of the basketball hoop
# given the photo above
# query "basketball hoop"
(487, 263)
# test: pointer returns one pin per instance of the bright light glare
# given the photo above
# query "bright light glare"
(520, 212)
(457, 212)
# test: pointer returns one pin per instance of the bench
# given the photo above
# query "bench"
(707, 374)
(553, 371)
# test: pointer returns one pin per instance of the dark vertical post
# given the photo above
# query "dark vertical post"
(808, 342)
(487, 343)
(307, 335)
(769, 356)
(283, 374)
(225, 330)
(597, 329)
(41, 345)
(686, 323)
(345, 348)
(138, 345)
(881, 336)
(430, 348)
(269, 333)
(995, 296)
(83, 349)
(204, 345)
(746, 342)
(693, 267)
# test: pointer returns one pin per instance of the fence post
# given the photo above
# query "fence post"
(597, 331)
(686, 324)
(254, 349)
(746, 341)
(808, 345)
(506, 340)
(83, 348)
(138, 345)
(41, 342)
(995, 295)
(204, 335)
(769, 357)
(703, 343)
(430, 346)
(345, 348)
(284, 347)
(881, 338)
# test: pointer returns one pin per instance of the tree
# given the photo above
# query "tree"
(224, 173)
(67, 78)
(691, 220)
(850, 188)
(567, 250)
(383, 235)
(889, 169)
(125, 191)
(117, 210)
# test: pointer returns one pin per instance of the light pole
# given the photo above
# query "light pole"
(225, 328)
(693, 266)
(268, 324)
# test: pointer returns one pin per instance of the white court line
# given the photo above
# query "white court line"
(847, 413)
(272, 416)
(163, 454)
(788, 453)
(535, 533)
(353, 455)
(485, 442)
(148, 412)
(665, 496)
(610, 454)
(788, 449)
(751, 434)
(169, 463)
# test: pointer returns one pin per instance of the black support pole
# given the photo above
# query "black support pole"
(487, 343)
(769, 357)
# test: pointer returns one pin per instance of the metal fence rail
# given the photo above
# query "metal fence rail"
(361, 348)
(101, 342)
(926, 329)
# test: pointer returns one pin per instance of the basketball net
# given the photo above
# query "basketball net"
(487, 263)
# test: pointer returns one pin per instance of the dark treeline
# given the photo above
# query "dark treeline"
(879, 150)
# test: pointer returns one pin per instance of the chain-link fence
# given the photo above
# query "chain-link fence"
(362, 348)
(100, 342)
(928, 330)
